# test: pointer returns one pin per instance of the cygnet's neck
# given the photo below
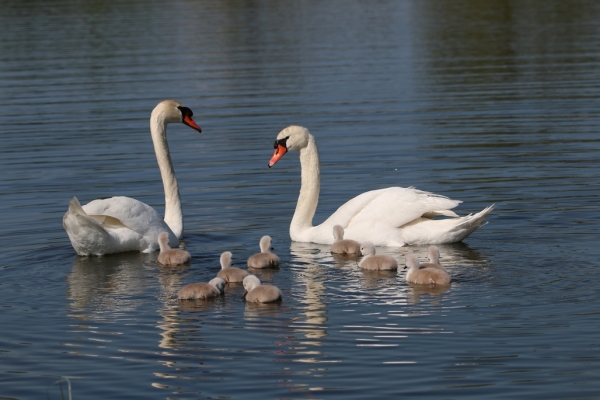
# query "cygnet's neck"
(173, 213)
(434, 255)
(252, 284)
(309, 189)
(164, 244)
(225, 263)
(413, 264)
(265, 246)
(338, 233)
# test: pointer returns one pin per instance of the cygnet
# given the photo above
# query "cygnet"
(202, 290)
(341, 245)
(434, 259)
(373, 261)
(264, 259)
(169, 256)
(257, 293)
(424, 276)
(228, 273)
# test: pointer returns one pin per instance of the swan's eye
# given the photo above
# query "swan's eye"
(185, 111)
(281, 142)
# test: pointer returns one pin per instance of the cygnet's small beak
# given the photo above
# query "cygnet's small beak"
(277, 154)
(405, 267)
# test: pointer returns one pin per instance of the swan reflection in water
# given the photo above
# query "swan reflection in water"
(271, 310)
(101, 287)
(346, 260)
(462, 262)
(182, 319)
(433, 292)
(309, 278)
(381, 278)
(112, 283)
(104, 287)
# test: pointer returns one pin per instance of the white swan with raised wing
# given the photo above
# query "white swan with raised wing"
(119, 224)
(393, 216)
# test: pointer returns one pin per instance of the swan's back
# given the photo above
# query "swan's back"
(376, 215)
(108, 226)
(129, 211)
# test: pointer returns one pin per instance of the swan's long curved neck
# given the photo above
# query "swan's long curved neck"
(309, 189)
(173, 213)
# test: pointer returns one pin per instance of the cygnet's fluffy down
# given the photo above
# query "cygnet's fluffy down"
(341, 245)
(228, 273)
(434, 259)
(169, 256)
(264, 259)
(424, 276)
(258, 293)
(202, 290)
(372, 261)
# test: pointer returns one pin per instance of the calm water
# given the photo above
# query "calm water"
(487, 102)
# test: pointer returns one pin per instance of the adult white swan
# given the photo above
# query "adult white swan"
(120, 224)
(387, 217)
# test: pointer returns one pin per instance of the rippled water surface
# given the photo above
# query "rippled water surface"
(486, 102)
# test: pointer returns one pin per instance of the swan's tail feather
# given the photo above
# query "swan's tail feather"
(106, 221)
(446, 213)
(86, 234)
(435, 195)
(472, 222)
(75, 207)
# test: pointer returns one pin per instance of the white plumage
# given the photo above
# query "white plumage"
(387, 217)
(119, 224)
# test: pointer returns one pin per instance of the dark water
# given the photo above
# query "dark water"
(483, 101)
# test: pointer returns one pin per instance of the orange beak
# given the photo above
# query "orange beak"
(279, 152)
(190, 122)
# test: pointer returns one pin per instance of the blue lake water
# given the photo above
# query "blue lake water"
(486, 102)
